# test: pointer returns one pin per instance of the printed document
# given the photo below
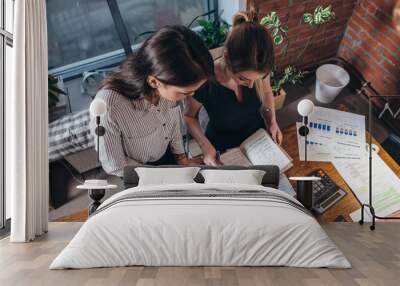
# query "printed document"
(333, 135)
(385, 183)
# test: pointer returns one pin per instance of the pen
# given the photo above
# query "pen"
(218, 155)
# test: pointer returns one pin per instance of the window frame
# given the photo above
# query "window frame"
(114, 58)
(6, 39)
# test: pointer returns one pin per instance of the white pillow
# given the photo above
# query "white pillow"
(165, 176)
(247, 177)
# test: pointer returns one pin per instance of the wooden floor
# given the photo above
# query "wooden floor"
(375, 257)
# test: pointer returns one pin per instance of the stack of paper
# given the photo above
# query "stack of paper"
(385, 183)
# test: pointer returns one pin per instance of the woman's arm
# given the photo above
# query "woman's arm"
(176, 143)
(191, 118)
(268, 111)
(112, 155)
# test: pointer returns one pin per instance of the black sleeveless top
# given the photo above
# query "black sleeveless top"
(231, 121)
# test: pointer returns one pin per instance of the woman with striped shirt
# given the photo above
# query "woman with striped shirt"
(142, 122)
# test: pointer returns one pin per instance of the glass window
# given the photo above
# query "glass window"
(2, 196)
(8, 67)
(78, 30)
(9, 9)
(146, 15)
(5, 90)
(1, 14)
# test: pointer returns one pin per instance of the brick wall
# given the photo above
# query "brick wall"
(372, 44)
(325, 40)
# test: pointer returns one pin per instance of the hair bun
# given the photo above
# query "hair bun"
(240, 17)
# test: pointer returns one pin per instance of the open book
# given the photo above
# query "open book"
(258, 149)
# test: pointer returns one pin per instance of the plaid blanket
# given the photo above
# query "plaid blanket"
(70, 134)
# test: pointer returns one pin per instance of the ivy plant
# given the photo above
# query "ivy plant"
(277, 29)
(320, 16)
(289, 75)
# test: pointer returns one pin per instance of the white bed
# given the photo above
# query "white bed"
(201, 224)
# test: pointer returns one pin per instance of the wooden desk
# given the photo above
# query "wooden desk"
(349, 203)
(344, 207)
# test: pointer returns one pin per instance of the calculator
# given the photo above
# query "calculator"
(325, 192)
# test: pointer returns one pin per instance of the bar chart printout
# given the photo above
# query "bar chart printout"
(334, 135)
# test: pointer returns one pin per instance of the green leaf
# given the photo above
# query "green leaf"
(278, 39)
(318, 9)
(203, 23)
(327, 9)
(284, 28)
(325, 14)
(274, 17)
(277, 21)
(317, 18)
(213, 33)
(271, 20)
(265, 21)
(275, 32)
(307, 17)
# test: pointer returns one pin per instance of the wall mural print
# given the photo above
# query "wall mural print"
(221, 91)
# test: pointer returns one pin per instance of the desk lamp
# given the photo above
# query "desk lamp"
(97, 188)
(97, 109)
(305, 108)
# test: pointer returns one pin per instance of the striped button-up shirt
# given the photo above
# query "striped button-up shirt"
(137, 131)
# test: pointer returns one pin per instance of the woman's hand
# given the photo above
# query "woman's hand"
(275, 132)
(183, 160)
(211, 158)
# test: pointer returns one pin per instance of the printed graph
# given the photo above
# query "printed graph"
(320, 126)
(344, 131)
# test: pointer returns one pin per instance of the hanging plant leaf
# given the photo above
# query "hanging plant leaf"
(275, 32)
(274, 18)
(278, 39)
(320, 16)
(318, 9)
(307, 17)
(327, 11)
(317, 18)
(284, 28)
(267, 21)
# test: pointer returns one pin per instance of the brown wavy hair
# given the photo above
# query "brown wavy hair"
(249, 45)
(175, 55)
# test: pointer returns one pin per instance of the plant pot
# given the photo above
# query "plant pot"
(216, 52)
(280, 99)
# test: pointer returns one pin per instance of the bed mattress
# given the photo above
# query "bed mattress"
(201, 225)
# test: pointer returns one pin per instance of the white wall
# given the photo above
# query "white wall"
(230, 7)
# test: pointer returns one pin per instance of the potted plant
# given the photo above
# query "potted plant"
(289, 75)
(53, 92)
(278, 30)
(214, 34)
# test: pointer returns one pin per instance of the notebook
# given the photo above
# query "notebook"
(258, 149)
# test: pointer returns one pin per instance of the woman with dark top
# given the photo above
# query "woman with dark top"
(143, 123)
(241, 100)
